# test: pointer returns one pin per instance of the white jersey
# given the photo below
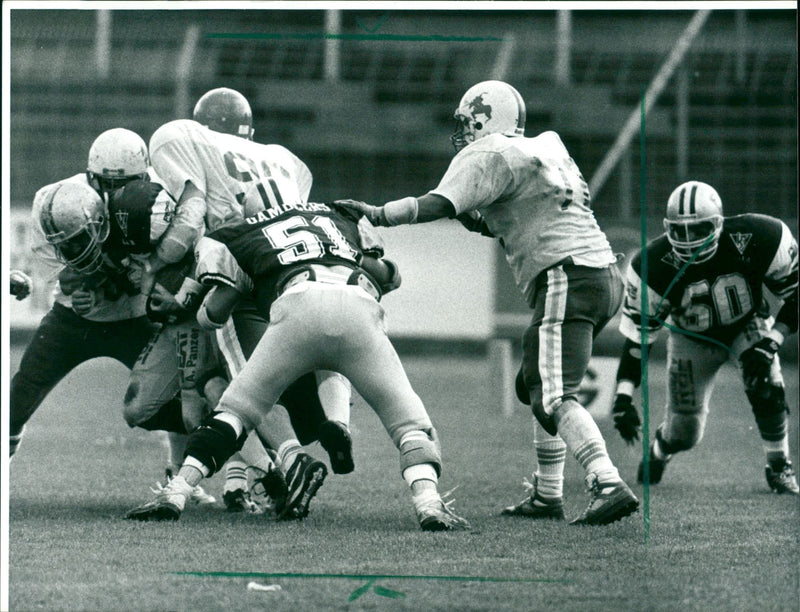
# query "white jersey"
(126, 307)
(237, 177)
(533, 198)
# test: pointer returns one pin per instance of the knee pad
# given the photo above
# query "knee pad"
(768, 401)
(213, 443)
(418, 447)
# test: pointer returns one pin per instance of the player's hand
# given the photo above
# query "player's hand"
(83, 300)
(21, 284)
(626, 418)
(757, 361)
(374, 214)
(474, 222)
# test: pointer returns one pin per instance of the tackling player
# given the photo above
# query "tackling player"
(217, 174)
(704, 284)
(529, 193)
(303, 260)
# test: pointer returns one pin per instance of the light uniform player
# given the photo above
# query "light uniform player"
(529, 193)
(217, 175)
(103, 317)
(304, 260)
(705, 279)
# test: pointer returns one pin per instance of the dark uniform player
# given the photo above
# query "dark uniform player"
(304, 262)
(704, 283)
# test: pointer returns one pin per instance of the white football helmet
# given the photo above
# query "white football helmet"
(74, 220)
(116, 157)
(490, 107)
(693, 222)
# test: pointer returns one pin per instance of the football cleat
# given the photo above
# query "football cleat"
(198, 496)
(536, 507)
(304, 479)
(272, 489)
(434, 513)
(657, 467)
(239, 500)
(167, 504)
(608, 502)
(781, 478)
(335, 439)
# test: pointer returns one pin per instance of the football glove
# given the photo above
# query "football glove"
(374, 214)
(626, 418)
(757, 361)
(474, 222)
(20, 284)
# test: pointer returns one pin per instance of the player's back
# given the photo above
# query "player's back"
(237, 177)
(544, 215)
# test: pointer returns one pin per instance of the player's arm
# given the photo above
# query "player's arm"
(184, 231)
(218, 306)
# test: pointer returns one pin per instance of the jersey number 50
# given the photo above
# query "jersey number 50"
(731, 299)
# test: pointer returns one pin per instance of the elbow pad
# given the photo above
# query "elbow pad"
(630, 363)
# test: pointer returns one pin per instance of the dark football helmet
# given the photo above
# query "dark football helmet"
(225, 110)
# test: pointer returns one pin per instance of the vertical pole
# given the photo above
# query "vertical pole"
(333, 29)
(563, 47)
(504, 56)
(183, 70)
(741, 47)
(682, 126)
(626, 188)
(102, 43)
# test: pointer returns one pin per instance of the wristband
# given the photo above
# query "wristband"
(625, 387)
(189, 289)
(775, 335)
(401, 212)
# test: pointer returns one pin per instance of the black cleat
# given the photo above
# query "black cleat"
(304, 479)
(335, 439)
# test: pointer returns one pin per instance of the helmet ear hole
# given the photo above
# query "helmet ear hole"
(478, 125)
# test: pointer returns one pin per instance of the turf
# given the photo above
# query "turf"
(716, 538)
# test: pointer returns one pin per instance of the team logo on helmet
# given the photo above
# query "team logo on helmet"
(478, 107)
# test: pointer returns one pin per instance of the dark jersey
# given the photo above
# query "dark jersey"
(275, 241)
(714, 299)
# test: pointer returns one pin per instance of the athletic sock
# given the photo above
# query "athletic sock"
(235, 476)
(551, 456)
(287, 453)
(582, 435)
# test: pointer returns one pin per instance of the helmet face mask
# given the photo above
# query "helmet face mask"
(490, 107)
(225, 110)
(116, 157)
(693, 223)
(74, 220)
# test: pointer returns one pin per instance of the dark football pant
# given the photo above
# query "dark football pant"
(62, 342)
(571, 306)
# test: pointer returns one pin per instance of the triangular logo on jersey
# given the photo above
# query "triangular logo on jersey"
(122, 221)
(740, 241)
(672, 260)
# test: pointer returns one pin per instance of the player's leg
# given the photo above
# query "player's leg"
(236, 342)
(691, 369)
(768, 401)
(367, 358)
(58, 345)
(571, 303)
(544, 492)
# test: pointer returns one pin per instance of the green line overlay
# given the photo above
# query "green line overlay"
(370, 580)
(325, 36)
(645, 324)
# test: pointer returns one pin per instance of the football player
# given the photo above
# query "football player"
(303, 260)
(69, 223)
(704, 284)
(97, 310)
(530, 194)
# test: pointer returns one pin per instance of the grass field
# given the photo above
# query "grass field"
(717, 539)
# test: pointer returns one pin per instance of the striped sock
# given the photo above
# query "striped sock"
(235, 475)
(287, 452)
(582, 435)
(551, 455)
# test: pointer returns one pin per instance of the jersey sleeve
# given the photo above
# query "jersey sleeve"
(632, 321)
(216, 265)
(370, 241)
(782, 275)
(174, 161)
(475, 178)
